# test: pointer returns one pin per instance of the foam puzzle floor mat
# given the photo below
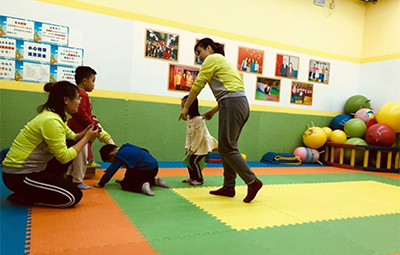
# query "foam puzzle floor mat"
(326, 210)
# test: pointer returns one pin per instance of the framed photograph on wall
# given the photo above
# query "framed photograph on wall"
(250, 60)
(301, 93)
(181, 77)
(268, 89)
(287, 66)
(197, 60)
(161, 45)
(319, 71)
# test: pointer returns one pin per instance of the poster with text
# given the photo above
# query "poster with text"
(7, 69)
(50, 33)
(7, 48)
(18, 28)
(32, 72)
(62, 73)
(67, 56)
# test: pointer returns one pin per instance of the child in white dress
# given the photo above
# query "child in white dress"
(198, 142)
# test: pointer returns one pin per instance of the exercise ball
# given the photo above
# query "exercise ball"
(371, 122)
(359, 153)
(355, 103)
(389, 114)
(364, 114)
(307, 155)
(339, 120)
(380, 135)
(327, 131)
(314, 137)
(338, 136)
(355, 128)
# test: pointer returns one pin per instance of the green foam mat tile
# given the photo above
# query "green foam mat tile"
(305, 239)
(217, 243)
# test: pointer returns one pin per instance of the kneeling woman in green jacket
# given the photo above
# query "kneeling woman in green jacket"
(35, 165)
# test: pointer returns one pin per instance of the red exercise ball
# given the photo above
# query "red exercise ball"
(380, 135)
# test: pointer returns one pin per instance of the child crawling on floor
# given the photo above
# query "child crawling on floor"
(141, 168)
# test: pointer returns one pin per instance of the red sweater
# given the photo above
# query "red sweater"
(83, 117)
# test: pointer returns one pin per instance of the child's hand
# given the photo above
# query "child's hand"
(208, 115)
(97, 185)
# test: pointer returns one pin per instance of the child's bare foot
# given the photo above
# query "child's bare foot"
(196, 183)
(187, 180)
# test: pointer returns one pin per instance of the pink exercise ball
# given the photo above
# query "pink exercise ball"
(380, 135)
(364, 114)
(307, 155)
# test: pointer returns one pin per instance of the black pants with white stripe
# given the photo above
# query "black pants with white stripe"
(194, 169)
(47, 188)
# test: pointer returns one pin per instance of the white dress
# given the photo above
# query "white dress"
(198, 139)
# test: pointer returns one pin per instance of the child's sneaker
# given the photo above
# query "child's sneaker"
(146, 189)
(252, 190)
(187, 180)
(82, 185)
(227, 192)
(196, 183)
(160, 182)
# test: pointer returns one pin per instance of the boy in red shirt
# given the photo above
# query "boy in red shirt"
(85, 77)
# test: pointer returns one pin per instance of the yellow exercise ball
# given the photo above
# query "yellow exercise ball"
(328, 132)
(314, 137)
(338, 136)
(389, 114)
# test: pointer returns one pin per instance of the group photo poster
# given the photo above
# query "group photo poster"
(197, 60)
(319, 71)
(268, 89)
(287, 66)
(301, 93)
(181, 77)
(250, 60)
(161, 45)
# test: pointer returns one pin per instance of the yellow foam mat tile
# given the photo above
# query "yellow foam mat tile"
(277, 205)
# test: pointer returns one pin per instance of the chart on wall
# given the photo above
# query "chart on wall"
(34, 51)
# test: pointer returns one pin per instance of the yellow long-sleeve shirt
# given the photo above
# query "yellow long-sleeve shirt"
(224, 79)
(42, 138)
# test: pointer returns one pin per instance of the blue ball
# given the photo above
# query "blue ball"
(338, 121)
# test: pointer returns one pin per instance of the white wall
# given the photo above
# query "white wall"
(114, 47)
(380, 81)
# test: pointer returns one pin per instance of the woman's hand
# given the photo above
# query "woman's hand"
(91, 133)
(184, 113)
(210, 114)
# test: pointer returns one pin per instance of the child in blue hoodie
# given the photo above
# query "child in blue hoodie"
(141, 168)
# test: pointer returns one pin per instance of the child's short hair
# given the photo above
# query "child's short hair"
(83, 72)
(106, 150)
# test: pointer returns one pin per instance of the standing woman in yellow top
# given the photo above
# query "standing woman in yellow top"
(228, 89)
(35, 165)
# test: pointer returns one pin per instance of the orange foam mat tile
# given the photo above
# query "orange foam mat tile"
(257, 170)
(96, 222)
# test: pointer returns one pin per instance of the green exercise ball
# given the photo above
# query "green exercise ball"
(355, 103)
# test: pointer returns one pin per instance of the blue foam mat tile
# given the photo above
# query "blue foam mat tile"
(13, 221)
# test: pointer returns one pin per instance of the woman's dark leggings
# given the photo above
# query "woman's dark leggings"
(46, 188)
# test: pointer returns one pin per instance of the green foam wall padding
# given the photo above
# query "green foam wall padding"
(155, 126)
